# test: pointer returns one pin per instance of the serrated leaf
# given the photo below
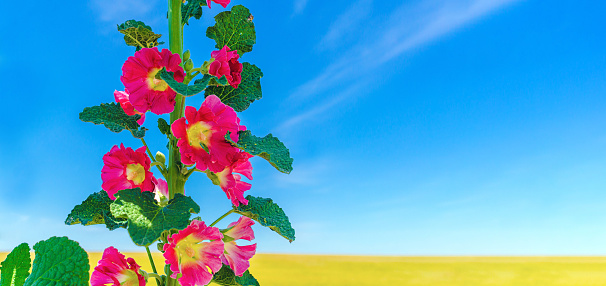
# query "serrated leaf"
(114, 118)
(146, 219)
(95, 210)
(139, 35)
(268, 214)
(59, 262)
(226, 277)
(248, 91)
(15, 268)
(163, 126)
(269, 148)
(189, 90)
(193, 8)
(234, 29)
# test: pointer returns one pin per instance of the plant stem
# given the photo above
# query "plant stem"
(162, 170)
(175, 40)
(153, 265)
(222, 217)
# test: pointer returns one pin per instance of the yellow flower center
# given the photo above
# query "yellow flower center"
(128, 278)
(135, 173)
(155, 84)
(188, 250)
(199, 135)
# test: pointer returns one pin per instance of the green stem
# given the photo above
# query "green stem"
(176, 184)
(148, 151)
(222, 217)
(153, 266)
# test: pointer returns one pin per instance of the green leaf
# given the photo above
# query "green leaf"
(139, 35)
(193, 8)
(59, 261)
(268, 214)
(114, 118)
(226, 277)
(15, 268)
(248, 91)
(234, 29)
(268, 148)
(95, 210)
(163, 126)
(189, 90)
(146, 219)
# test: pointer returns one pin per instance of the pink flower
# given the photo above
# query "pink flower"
(202, 138)
(226, 64)
(139, 77)
(161, 189)
(223, 3)
(122, 98)
(237, 257)
(125, 168)
(232, 183)
(195, 252)
(114, 269)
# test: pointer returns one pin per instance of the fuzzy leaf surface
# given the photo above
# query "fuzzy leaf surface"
(114, 118)
(234, 29)
(95, 210)
(268, 214)
(269, 148)
(146, 219)
(15, 268)
(226, 277)
(248, 91)
(193, 8)
(138, 35)
(59, 261)
(189, 90)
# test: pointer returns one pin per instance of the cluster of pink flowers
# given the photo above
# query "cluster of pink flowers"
(194, 254)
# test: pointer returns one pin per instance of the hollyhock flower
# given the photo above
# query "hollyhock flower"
(225, 63)
(122, 98)
(202, 137)
(114, 269)
(230, 182)
(125, 168)
(195, 252)
(139, 77)
(161, 190)
(237, 257)
(223, 3)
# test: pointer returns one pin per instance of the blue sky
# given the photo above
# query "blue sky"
(426, 127)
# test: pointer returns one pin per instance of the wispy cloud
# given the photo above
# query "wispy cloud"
(299, 6)
(346, 23)
(406, 28)
(118, 11)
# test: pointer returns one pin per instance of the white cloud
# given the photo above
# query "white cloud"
(346, 23)
(407, 28)
(300, 6)
(118, 11)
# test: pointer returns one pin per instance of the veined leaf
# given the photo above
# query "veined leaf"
(193, 8)
(146, 219)
(248, 91)
(189, 90)
(163, 126)
(139, 35)
(114, 118)
(226, 277)
(95, 210)
(234, 29)
(268, 214)
(59, 261)
(15, 268)
(268, 148)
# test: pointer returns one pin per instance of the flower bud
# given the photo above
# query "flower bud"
(160, 157)
(186, 55)
(189, 64)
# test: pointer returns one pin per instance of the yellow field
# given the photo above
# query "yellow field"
(293, 270)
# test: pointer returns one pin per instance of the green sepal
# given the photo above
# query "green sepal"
(139, 35)
(15, 268)
(59, 261)
(189, 90)
(268, 214)
(114, 118)
(234, 29)
(248, 91)
(95, 210)
(163, 126)
(226, 277)
(268, 148)
(146, 219)
(193, 8)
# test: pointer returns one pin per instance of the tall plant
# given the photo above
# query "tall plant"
(209, 139)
